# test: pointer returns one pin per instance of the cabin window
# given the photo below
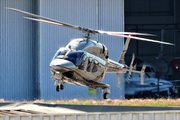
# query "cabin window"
(81, 63)
(95, 66)
(148, 69)
(89, 64)
(103, 49)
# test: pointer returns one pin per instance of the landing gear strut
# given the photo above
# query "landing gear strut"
(105, 93)
(60, 85)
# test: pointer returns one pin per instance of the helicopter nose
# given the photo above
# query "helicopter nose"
(60, 64)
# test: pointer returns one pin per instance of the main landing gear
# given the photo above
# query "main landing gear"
(105, 93)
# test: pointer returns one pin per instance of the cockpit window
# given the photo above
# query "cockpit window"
(60, 54)
(74, 56)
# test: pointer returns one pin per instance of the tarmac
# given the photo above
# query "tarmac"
(42, 108)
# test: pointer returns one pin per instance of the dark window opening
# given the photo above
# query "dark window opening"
(89, 64)
(95, 67)
(81, 63)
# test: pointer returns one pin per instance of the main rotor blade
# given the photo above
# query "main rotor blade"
(131, 33)
(51, 21)
(139, 38)
(92, 31)
(46, 19)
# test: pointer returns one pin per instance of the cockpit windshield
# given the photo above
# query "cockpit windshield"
(60, 54)
(74, 57)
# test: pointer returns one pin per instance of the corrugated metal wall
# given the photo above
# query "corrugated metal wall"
(152, 115)
(17, 52)
(97, 14)
(111, 17)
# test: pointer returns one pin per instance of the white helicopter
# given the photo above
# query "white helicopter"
(84, 62)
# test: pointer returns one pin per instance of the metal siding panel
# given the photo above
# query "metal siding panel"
(52, 37)
(154, 115)
(17, 57)
(108, 15)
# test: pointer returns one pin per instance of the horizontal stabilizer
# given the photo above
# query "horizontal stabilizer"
(141, 72)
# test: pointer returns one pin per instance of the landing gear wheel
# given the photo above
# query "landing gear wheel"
(61, 87)
(57, 88)
(105, 95)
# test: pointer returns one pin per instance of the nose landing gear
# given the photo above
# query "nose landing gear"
(59, 87)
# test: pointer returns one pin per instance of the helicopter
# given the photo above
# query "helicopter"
(84, 62)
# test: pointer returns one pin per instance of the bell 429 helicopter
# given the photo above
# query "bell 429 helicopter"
(84, 62)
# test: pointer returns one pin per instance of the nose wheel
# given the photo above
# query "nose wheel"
(59, 87)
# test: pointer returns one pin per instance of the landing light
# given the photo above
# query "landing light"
(176, 67)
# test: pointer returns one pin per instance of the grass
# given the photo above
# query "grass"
(131, 102)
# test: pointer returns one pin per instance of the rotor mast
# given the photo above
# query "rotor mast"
(87, 33)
